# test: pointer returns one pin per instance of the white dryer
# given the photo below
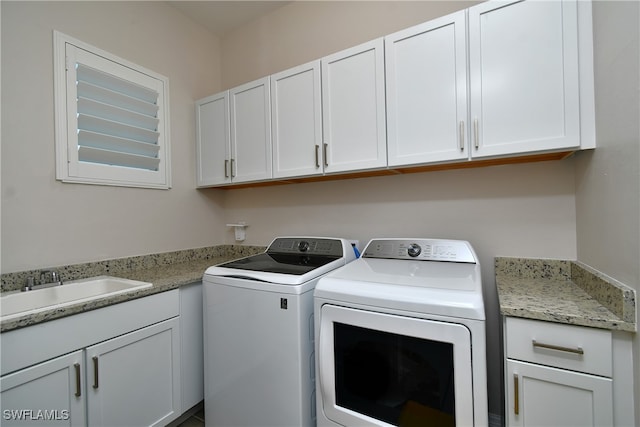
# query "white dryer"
(258, 333)
(400, 337)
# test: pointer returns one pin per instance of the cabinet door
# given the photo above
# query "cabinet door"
(524, 80)
(250, 131)
(296, 121)
(134, 380)
(353, 108)
(426, 75)
(213, 140)
(542, 396)
(50, 393)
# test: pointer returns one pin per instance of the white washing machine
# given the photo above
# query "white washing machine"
(400, 337)
(259, 334)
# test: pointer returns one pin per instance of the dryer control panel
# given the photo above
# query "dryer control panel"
(421, 249)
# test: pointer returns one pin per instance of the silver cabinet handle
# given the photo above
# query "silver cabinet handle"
(232, 167)
(516, 395)
(226, 167)
(461, 135)
(78, 380)
(317, 156)
(324, 154)
(475, 134)
(95, 371)
(577, 350)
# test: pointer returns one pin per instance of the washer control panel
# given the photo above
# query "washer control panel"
(306, 246)
(421, 249)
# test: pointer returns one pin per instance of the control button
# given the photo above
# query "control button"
(303, 246)
(414, 250)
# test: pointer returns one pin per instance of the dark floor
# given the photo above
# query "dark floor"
(195, 420)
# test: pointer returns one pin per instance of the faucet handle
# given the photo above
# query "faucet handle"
(56, 278)
(43, 276)
(28, 285)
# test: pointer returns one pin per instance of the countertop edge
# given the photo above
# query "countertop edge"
(164, 277)
(550, 290)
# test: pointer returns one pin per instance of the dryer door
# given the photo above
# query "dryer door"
(378, 369)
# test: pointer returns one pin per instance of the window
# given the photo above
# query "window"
(112, 119)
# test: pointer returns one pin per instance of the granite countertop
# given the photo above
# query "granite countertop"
(563, 292)
(165, 271)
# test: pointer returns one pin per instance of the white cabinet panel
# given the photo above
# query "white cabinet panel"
(426, 76)
(540, 396)
(353, 106)
(524, 79)
(213, 140)
(296, 116)
(135, 379)
(50, 393)
(250, 107)
(192, 354)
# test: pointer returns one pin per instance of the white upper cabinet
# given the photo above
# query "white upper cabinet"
(353, 106)
(426, 76)
(213, 141)
(296, 121)
(524, 79)
(501, 79)
(250, 117)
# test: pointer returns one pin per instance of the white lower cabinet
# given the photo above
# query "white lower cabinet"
(557, 375)
(115, 366)
(50, 393)
(133, 380)
(544, 396)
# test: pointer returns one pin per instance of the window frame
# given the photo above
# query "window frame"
(69, 168)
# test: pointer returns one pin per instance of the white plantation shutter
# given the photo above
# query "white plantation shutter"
(115, 129)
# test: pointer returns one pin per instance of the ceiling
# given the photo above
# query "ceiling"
(221, 17)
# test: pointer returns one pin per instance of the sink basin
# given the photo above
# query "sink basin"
(20, 303)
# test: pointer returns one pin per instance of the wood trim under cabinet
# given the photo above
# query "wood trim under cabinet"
(414, 169)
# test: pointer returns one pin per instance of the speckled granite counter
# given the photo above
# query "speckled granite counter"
(563, 292)
(166, 271)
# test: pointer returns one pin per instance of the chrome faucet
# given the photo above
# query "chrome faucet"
(48, 278)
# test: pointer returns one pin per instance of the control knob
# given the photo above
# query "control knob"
(414, 250)
(303, 246)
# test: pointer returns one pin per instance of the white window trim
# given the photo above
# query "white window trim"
(68, 167)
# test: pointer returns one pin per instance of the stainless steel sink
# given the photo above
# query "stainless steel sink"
(20, 303)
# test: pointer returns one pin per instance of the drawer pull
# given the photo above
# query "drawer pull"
(475, 134)
(324, 154)
(95, 371)
(78, 380)
(578, 350)
(516, 403)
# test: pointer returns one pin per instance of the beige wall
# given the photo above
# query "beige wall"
(307, 30)
(48, 223)
(608, 179)
(523, 210)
